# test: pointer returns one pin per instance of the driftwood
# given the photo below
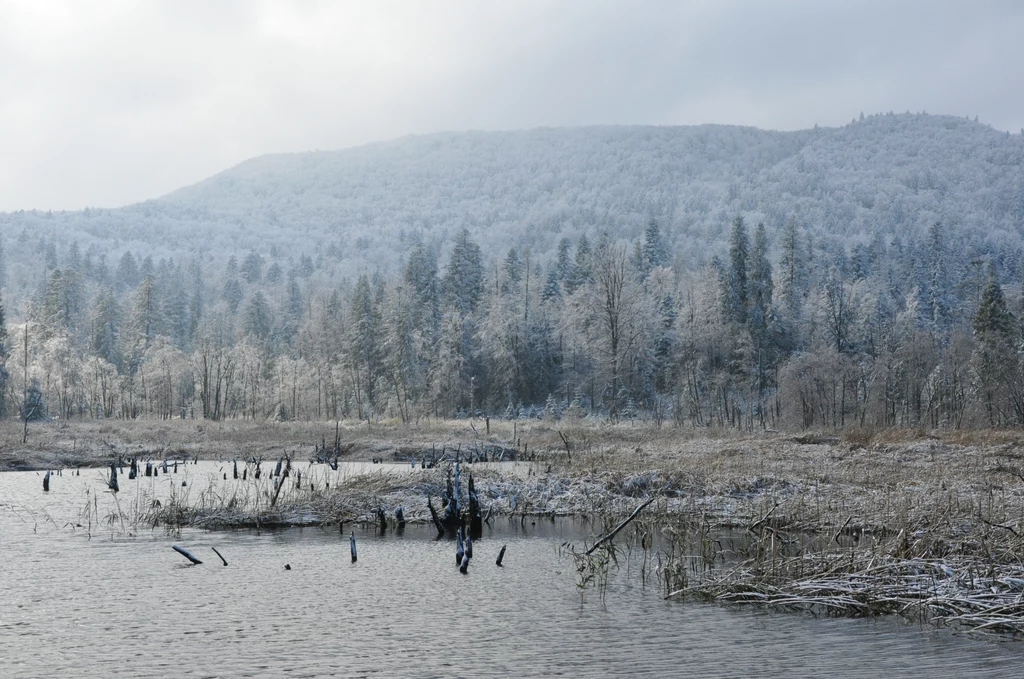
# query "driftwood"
(436, 519)
(280, 482)
(501, 555)
(609, 536)
(220, 555)
(187, 554)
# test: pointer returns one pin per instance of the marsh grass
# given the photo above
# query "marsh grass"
(815, 508)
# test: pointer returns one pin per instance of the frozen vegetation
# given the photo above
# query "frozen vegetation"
(867, 275)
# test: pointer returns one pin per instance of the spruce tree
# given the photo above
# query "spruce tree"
(581, 268)
(464, 279)
(655, 252)
(734, 293)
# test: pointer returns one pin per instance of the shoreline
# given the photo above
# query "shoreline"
(836, 524)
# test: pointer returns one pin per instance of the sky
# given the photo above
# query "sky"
(111, 102)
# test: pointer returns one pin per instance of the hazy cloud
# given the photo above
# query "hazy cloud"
(107, 103)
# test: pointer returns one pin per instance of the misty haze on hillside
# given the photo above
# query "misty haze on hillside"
(549, 255)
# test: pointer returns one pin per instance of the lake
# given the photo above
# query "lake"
(98, 603)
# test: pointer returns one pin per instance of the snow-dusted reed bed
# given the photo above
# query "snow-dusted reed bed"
(856, 523)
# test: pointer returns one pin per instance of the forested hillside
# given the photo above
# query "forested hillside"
(708, 275)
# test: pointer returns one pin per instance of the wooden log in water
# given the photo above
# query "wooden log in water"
(436, 519)
(501, 555)
(464, 565)
(187, 554)
(460, 549)
(609, 536)
(220, 555)
(46, 482)
(112, 483)
(236, 469)
(469, 546)
(149, 469)
(400, 516)
(382, 520)
(352, 546)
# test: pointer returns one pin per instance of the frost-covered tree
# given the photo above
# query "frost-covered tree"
(464, 277)
(104, 324)
(995, 357)
(655, 251)
(127, 275)
(734, 283)
(259, 320)
(581, 267)
(252, 268)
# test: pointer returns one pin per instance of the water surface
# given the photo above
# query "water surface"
(101, 604)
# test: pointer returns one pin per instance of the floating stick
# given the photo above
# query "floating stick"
(185, 553)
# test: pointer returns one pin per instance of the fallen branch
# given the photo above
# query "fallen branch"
(187, 554)
(763, 518)
(609, 536)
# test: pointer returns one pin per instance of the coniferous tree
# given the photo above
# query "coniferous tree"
(233, 294)
(127, 275)
(364, 343)
(104, 322)
(995, 355)
(581, 267)
(252, 268)
(655, 251)
(275, 274)
(421, 275)
(563, 266)
(734, 293)
(259, 321)
(552, 286)
(513, 271)
(142, 324)
(464, 278)
(62, 304)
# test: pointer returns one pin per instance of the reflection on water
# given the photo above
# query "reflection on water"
(130, 606)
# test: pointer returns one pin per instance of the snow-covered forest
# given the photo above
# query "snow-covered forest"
(712, 276)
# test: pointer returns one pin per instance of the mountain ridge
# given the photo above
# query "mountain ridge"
(887, 174)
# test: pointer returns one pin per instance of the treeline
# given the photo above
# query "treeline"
(889, 333)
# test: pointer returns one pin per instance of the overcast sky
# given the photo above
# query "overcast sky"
(109, 103)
